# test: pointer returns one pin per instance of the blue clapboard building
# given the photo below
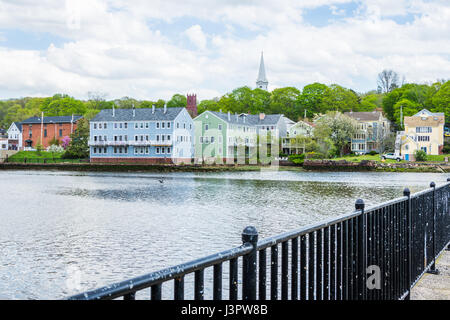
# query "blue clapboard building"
(151, 135)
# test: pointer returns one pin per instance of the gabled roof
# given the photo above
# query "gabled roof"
(364, 116)
(59, 119)
(428, 113)
(250, 119)
(18, 125)
(140, 114)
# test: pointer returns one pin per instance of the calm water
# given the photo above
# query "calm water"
(64, 232)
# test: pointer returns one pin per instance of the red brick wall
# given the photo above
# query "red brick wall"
(51, 133)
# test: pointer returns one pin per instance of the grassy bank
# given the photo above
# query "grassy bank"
(40, 157)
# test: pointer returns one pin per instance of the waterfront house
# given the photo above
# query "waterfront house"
(373, 129)
(423, 131)
(15, 136)
(151, 135)
(292, 144)
(42, 130)
(225, 137)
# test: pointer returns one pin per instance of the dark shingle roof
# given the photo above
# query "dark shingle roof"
(141, 114)
(18, 125)
(364, 116)
(252, 119)
(59, 119)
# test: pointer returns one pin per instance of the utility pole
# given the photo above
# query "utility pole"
(304, 140)
(401, 116)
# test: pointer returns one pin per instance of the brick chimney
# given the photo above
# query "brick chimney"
(191, 105)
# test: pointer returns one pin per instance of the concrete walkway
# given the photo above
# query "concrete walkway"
(435, 287)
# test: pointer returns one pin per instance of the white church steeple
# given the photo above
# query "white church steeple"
(262, 82)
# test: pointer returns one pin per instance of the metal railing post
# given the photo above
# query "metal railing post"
(249, 235)
(407, 193)
(448, 246)
(362, 250)
(433, 269)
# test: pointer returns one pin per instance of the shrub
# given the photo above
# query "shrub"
(55, 149)
(372, 153)
(297, 158)
(39, 148)
(420, 155)
(314, 155)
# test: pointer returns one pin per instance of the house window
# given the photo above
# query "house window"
(126, 125)
(157, 150)
(95, 126)
(157, 125)
(162, 125)
(45, 132)
(60, 132)
(157, 137)
(168, 150)
(201, 139)
(146, 125)
(220, 127)
(147, 150)
(168, 137)
(206, 127)
(178, 125)
(104, 138)
(212, 139)
(105, 126)
(168, 125)
(95, 150)
(136, 125)
(163, 150)
(95, 138)
(115, 125)
(142, 125)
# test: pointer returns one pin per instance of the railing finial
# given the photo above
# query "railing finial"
(250, 234)
(406, 192)
(448, 179)
(359, 204)
(432, 185)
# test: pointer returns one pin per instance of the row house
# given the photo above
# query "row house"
(225, 137)
(293, 143)
(373, 128)
(150, 135)
(43, 130)
(15, 139)
(423, 131)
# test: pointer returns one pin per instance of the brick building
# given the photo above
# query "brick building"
(44, 130)
(191, 106)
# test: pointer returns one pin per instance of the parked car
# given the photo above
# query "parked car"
(393, 156)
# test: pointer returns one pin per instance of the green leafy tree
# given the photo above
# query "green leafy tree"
(420, 155)
(337, 98)
(284, 101)
(311, 100)
(441, 100)
(78, 147)
(178, 100)
(336, 127)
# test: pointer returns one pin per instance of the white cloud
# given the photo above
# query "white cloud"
(113, 48)
(196, 36)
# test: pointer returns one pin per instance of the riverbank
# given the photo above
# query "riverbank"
(108, 167)
(367, 165)
(309, 165)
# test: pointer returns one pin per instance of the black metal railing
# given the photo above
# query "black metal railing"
(370, 254)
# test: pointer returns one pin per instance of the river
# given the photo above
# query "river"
(63, 232)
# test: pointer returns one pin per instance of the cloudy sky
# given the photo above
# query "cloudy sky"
(150, 49)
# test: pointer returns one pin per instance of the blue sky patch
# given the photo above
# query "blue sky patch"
(21, 40)
(324, 15)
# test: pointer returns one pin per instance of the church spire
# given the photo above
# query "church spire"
(262, 82)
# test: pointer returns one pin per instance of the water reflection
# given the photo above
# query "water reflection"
(64, 232)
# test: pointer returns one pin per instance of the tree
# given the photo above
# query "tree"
(178, 100)
(387, 80)
(311, 100)
(338, 128)
(62, 105)
(441, 101)
(78, 147)
(337, 98)
(284, 101)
